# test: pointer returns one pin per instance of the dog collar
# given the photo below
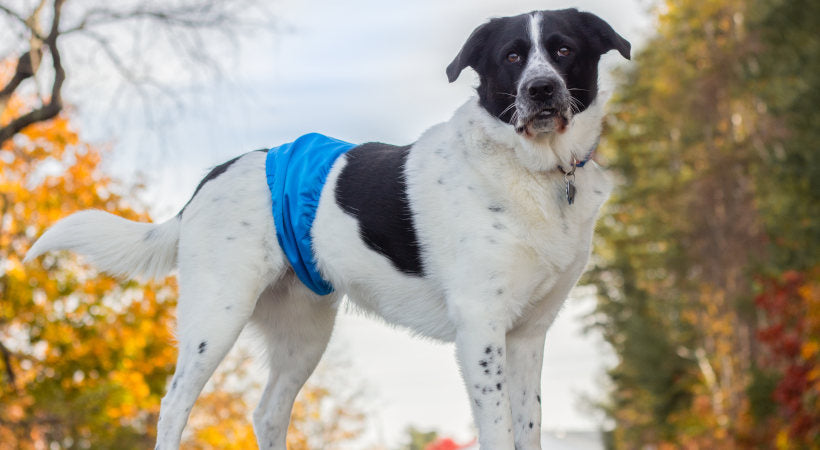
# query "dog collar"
(569, 175)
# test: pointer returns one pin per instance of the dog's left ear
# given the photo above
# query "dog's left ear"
(606, 37)
(469, 54)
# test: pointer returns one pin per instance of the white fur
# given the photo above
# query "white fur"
(123, 247)
(501, 248)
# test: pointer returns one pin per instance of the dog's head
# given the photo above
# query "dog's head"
(538, 69)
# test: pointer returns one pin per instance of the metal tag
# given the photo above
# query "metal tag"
(570, 191)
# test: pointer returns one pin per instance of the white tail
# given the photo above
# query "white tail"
(114, 245)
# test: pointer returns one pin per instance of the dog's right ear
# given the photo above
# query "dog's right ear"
(469, 54)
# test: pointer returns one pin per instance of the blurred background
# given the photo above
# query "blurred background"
(696, 327)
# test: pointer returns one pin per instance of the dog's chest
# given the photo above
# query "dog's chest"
(493, 231)
(486, 205)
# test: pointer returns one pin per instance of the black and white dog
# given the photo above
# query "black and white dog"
(475, 234)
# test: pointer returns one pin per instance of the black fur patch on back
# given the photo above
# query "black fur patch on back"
(372, 188)
(215, 172)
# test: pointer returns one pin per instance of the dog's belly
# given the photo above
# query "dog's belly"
(414, 304)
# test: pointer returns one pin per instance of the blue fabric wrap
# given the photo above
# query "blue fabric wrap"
(296, 173)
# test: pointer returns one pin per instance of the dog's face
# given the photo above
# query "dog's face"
(538, 69)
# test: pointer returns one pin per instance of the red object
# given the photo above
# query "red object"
(446, 444)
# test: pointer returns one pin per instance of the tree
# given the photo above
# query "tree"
(125, 34)
(714, 189)
(85, 358)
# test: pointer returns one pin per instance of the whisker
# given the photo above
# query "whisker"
(512, 105)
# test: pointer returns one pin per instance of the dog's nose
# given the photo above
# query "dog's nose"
(542, 89)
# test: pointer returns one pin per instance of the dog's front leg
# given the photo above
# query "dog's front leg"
(525, 356)
(481, 352)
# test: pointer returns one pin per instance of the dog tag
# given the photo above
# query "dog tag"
(570, 191)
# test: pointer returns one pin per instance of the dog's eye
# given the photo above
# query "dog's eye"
(564, 51)
(513, 57)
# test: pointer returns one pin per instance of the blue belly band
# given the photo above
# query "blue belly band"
(296, 173)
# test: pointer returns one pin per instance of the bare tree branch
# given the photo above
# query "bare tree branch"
(6, 353)
(130, 34)
(55, 103)
(26, 68)
(27, 22)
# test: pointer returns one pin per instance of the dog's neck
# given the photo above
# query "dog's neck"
(542, 153)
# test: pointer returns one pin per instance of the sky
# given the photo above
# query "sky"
(359, 71)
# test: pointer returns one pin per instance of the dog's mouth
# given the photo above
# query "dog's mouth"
(544, 121)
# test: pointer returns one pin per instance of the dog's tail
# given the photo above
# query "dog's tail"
(114, 245)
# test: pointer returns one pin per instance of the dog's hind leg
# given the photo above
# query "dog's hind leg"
(295, 325)
(219, 288)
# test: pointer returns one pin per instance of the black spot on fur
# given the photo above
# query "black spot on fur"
(478, 403)
(230, 238)
(372, 188)
(496, 208)
(498, 386)
(488, 350)
(483, 363)
(202, 346)
(499, 291)
(245, 223)
(441, 181)
(538, 397)
(530, 425)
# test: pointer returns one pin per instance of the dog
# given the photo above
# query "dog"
(474, 234)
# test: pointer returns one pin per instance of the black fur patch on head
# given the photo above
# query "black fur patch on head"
(488, 47)
(372, 188)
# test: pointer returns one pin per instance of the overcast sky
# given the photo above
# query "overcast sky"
(359, 71)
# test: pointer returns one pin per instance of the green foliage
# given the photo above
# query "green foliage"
(714, 141)
(419, 440)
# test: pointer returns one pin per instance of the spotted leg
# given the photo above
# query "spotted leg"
(481, 353)
(525, 360)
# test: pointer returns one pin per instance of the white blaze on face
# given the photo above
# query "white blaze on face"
(538, 62)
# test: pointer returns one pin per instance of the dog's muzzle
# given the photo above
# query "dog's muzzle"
(542, 106)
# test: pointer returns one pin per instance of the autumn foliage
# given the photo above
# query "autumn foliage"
(791, 336)
(85, 357)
